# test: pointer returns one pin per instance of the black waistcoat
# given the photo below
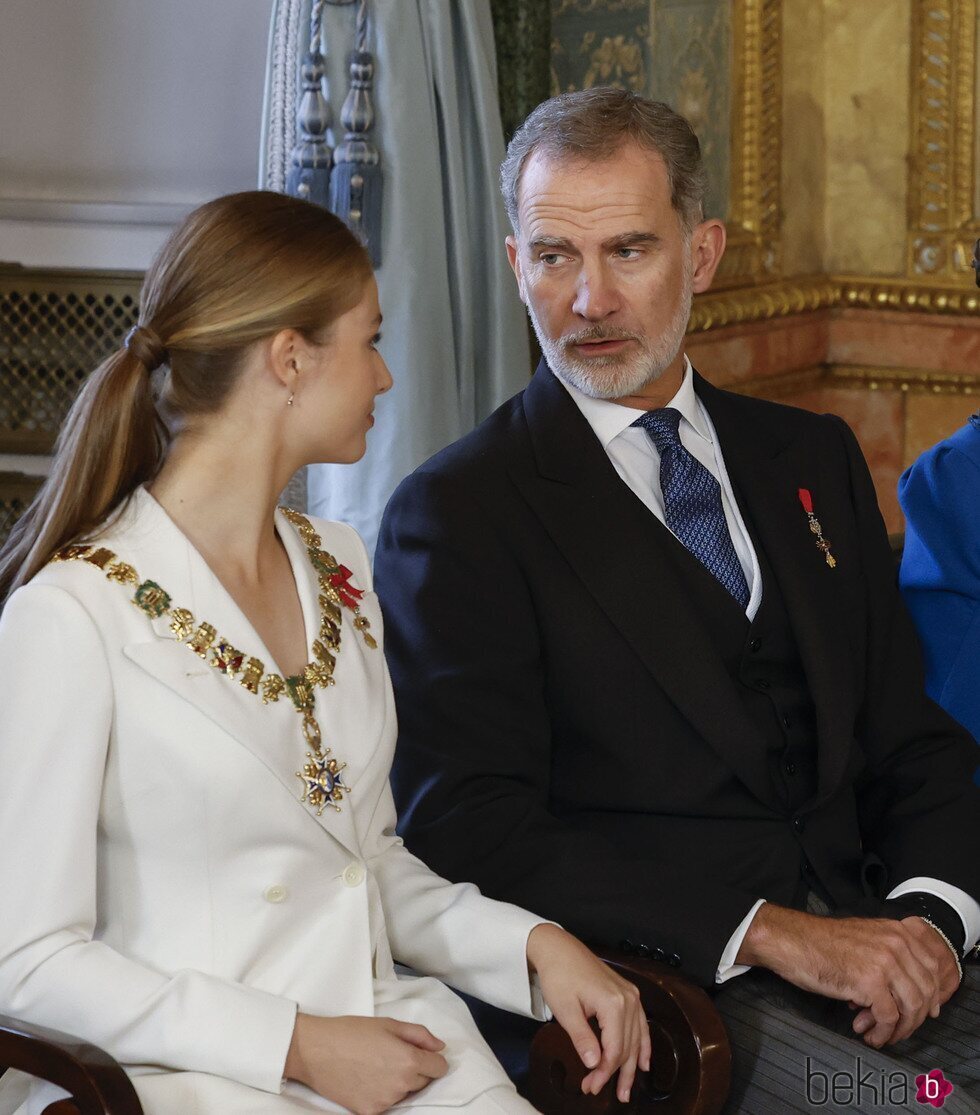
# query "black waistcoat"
(764, 664)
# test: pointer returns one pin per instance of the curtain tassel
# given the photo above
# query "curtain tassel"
(356, 181)
(309, 164)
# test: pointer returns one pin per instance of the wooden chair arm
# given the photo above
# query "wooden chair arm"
(96, 1082)
(690, 1071)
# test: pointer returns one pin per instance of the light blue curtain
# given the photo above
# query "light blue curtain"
(455, 335)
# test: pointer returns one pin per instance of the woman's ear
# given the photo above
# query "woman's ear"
(284, 354)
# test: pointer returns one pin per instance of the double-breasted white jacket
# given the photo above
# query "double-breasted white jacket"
(163, 891)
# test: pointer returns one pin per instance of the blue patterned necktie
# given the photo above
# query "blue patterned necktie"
(692, 503)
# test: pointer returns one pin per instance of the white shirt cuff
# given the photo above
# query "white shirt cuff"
(968, 908)
(727, 968)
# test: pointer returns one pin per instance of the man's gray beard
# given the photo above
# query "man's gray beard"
(616, 376)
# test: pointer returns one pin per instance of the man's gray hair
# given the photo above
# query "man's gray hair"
(593, 124)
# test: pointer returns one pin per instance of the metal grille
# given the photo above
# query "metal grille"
(55, 327)
(16, 492)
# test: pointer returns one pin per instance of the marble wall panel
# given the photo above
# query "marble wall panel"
(804, 156)
(878, 420)
(735, 356)
(866, 126)
(893, 339)
(932, 418)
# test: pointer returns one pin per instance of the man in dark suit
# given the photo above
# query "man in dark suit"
(653, 675)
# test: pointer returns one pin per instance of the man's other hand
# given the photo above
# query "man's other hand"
(893, 973)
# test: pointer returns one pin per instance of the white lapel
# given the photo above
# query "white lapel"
(271, 732)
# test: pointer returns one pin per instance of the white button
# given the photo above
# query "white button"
(276, 893)
(354, 874)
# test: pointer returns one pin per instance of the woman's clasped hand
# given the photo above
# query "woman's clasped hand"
(370, 1064)
(364, 1064)
(577, 986)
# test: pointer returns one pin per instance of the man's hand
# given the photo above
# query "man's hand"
(578, 986)
(928, 940)
(894, 974)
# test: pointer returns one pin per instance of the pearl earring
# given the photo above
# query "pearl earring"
(289, 401)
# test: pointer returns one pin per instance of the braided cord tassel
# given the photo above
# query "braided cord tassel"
(308, 176)
(356, 181)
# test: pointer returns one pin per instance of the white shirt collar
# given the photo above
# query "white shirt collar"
(608, 420)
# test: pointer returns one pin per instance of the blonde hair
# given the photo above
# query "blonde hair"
(236, 270)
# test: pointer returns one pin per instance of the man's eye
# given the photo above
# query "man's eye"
(627, 253)
(549, 259)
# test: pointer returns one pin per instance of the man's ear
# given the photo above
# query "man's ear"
(707, 247)
(514, 257)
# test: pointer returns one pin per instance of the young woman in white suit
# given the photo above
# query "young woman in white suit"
(173, 650)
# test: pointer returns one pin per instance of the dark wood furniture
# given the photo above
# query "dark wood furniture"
(689, 1075)
(95, 1081)
(690, 1070)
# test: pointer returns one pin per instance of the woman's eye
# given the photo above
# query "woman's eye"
(375, 340)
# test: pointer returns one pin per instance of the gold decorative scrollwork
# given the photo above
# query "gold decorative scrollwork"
(784, 298)
(910, 381)
(753, 220)
(856, 377)
(942, 222)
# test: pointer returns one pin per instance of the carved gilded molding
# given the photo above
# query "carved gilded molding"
(753, 254)
(942, 181)
(855, 377)
(911, 381)
(787, 297)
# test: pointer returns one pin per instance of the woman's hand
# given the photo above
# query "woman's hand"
(364, 1064)
(578, 986)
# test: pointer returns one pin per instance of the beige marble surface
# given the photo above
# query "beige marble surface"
(932, 418)
(804, 159)
(867, 128)
(846, 135)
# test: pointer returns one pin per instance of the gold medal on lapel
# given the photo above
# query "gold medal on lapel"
(823, 544)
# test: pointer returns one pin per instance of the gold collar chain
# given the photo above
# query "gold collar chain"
(322, 776)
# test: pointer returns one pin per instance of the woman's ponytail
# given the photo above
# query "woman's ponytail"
(111, 442)
(237, 270)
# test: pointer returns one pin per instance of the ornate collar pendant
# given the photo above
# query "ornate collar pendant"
(322, 776)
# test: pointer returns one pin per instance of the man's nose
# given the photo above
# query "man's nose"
(596, 296)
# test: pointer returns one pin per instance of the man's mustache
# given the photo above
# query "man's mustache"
(597, 333)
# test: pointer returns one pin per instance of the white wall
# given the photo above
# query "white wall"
(117, 116)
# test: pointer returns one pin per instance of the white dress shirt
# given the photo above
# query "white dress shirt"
(635, 458)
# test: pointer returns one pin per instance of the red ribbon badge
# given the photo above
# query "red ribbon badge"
(823, 544)
(348, 593)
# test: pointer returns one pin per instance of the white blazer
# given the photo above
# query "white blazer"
(165, 894)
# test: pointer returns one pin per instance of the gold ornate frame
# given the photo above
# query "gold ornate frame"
(942, 222)
(753, 254)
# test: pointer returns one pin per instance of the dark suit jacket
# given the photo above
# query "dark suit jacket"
(570, 739)
(940, 576)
